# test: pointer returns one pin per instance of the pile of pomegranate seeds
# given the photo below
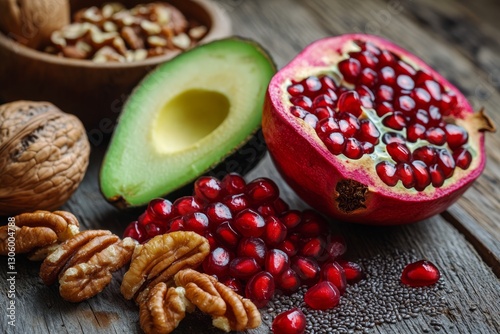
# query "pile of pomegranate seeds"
(258, 245)
(374, 98)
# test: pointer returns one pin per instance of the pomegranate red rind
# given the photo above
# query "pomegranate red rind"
(347, 186)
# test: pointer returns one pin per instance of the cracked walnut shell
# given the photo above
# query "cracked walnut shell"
(44, 154)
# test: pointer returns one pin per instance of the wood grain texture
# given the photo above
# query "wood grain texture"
(464, 242)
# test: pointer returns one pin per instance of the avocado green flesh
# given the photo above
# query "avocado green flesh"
(184, 118)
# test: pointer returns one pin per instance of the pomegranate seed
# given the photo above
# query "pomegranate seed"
(334, 273)
(234, 284)
(274, 231)
(446, 162)
(353, 149)
(302, 101)
(289, 281)
(398, 152)
(290, 322)
(327, 126)
(217, 262)
(135, 231)
(386, 58)
(276, 262)
(298, 112)
(384, 108)
(227, 235)
(415, 132)
(421, 174)
(144, 219)
(312, 120)
(435, 116)
(371, 48)
(353, 271)
(262, 190)
(307, 268)
(368, 77)
(364, 91)
(176, 224)
(392, 137)
(312, 225)
(236, 203)
(207, 188)
(421, 77)
(387, 173)
(312, 85)
(456, 135)
(327, 83)
(366, 59)
(421, 97)
(159, 209)
(322, 296)
(280, 206)
(437, 176)
(349, 102)
(387, 76)
(289, 247)
(187, 204)
(395, 120)
(405, 104)
(314, 248)
(405, 82)
(266, 210)
(323, 113)
(385, 93)
(254, 248)
(323, 100)
(211, 240)
(196, 222)
(291, 218)
(463, 158)
(433, 88)
(405, 174)
(368, 148)
(233, 184)
(295, 90)
(243, 267)
(260, 288)
(420, 273)
(335, 143)
(404, 68)
(336, 247)
(448, 103)
(249, 223)
(350, 69)
(217, 213)
(436, 136)
(348, 124)
(426, 154)
(421, 117)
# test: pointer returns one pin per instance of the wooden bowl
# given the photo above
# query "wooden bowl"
(95, 92)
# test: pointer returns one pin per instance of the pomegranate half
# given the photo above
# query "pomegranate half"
(366, 132)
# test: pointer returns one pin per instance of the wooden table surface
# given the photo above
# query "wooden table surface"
(461, 39)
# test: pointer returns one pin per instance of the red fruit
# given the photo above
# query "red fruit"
(410, 104)
(135, 231)
(291, 218)
(336, 247)
(237, 202)
(243, 267)
(290, 322)
(260, 288)
(420, 273)
(276, 262)
(334, 273)
(217, 262)
(274, 231)
(207, 188)
(233, 184)
(313, 247)
(159, 209)
(289, 281)
(312, 225)
(254, 248)
(289, 247)
(322, 296)
(280, 206)
(226, 235)
(196, 222)
(306, 268)
(217, 213)
(262, 190)
(249, 223)
(187, 204)
(353, 271)
(234, 284)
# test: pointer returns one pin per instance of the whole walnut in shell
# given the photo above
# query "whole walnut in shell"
(44, 154)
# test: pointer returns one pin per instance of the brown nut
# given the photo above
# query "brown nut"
(235, 313)
(163, 309)
(161, 258)
(44, 154)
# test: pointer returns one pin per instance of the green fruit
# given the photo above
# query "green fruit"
(198, 112)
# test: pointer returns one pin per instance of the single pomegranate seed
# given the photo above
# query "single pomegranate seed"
(290, 322)
(252, 247)
(274, 231)
(405, 82)
(405, 104)
(235, 284)
(405, 174)
(207, 188)
(280, 206)
(276, 262)
(307, 268)
(366, 59)
(422, 77)
(387, 173)
(348, 124)
(421, 97)
(433, 88)
(135, 231)
(260, 288)
(446, 162)
(365, 92)
(405, 68)
(426, 154)
(289, 247)
(210, 236)
(312, 225)
(302, 101)
(233, 183)
(312, 120)
(322, 296)
(266, 210)
(159, 209)
(386, 58)
(456, 135)
(436, 136)
(196, 222)
(249, 223)
(415, 132)
(334, 273)
(421, 174)
(395, 120)
(291, 218)
(368, 77)
(312, 85)
(399, 152)
(393, 137)
(353, 271)
(144, 219)
(420, 273)
(243, 267)
(437, 176)
(327, 126)
(385, 93)
(314, 247)
(350, 69)
(187, 204)
(236, 203)
(226, 235)
(435, 116)
(217, 262)
(371, 48)
(368, 148)
(448, 103)
(323, 100)
(349, 102)
(463, 158)
(327, 83)
(336, 247)
(421, 117)
(298, 112)
(387, 76)
(176, 224)
(384, 108)
(217, 213)
(289, 281)
(335, 143)
(353, 149)
(295, 90)
(262, 190)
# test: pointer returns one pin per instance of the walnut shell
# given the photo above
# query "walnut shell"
(44, 154)
(32, 22)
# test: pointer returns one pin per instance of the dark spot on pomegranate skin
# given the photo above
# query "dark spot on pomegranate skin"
(351, 195)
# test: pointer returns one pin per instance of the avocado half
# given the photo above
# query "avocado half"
(200, 112)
